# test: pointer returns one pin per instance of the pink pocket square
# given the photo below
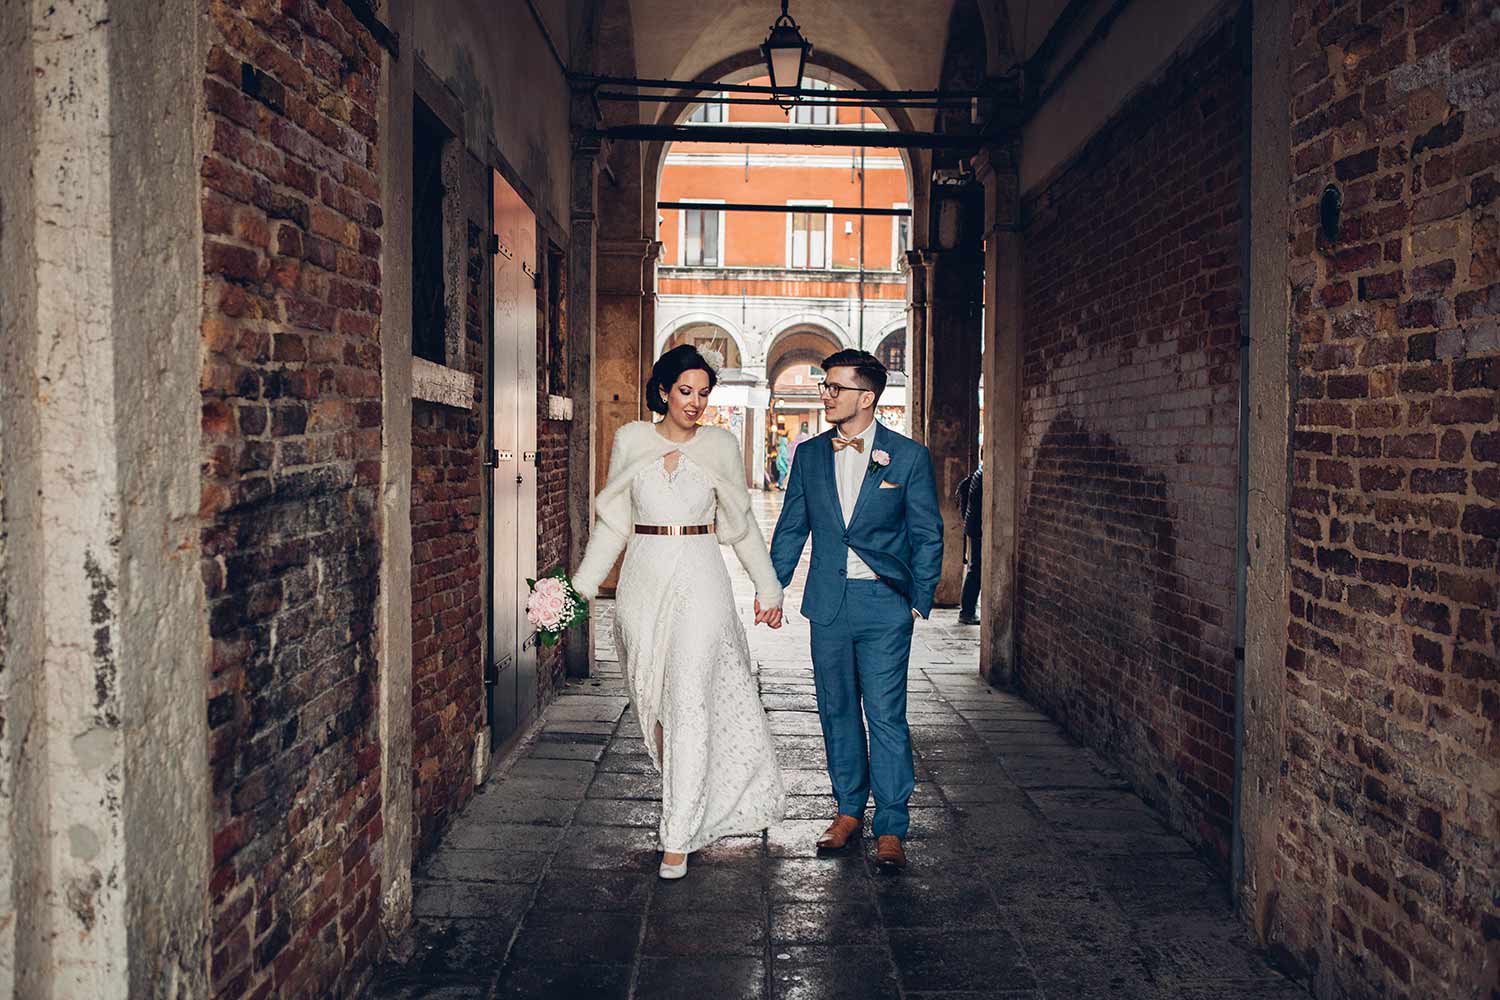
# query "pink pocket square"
(890, 486)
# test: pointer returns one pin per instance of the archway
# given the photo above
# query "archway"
(753, 278)
(794, 361)
(706, 332)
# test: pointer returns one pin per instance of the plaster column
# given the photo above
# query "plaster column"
(950, 391)
(1003, 296)
(103, 627)
(394, 621)
(916, 343)
(583, 240)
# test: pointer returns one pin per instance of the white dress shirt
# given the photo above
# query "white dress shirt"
(850, 468)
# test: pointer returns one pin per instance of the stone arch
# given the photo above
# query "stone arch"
(801, 342)
(892, 338)
(750, 64)
(997, 45)
(817, 321)
(689, 321)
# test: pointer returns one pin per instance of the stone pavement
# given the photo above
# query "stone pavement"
(1035, 873)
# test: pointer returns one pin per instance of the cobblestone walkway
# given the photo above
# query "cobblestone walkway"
(1035, 872)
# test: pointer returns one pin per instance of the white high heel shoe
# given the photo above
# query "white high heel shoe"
(673, 871)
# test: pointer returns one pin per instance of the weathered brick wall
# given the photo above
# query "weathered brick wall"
(1388, 857)
(448, 562)
(291, 436)
(551, 514)
(1130, 407)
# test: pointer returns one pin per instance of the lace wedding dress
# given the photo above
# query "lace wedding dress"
(687, 665)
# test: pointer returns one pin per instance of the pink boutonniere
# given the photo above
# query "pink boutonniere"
(879, 459)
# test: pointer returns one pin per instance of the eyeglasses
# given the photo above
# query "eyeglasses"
(832, 389)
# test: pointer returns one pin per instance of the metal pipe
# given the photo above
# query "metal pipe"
(782, 209)
(697, 86)
(892, 102)
(790, 136)
(861, 236)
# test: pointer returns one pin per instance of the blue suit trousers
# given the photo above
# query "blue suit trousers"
(860, 661)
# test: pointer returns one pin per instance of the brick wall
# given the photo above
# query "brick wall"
(448, 565)
(1130, 407)
(291, 410)
(1387, 852)
(552, 482)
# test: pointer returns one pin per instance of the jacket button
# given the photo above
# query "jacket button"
(842, 572)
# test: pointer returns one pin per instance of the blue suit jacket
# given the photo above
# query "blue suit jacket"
(897, 531)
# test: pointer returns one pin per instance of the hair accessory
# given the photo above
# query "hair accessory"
(712, 358)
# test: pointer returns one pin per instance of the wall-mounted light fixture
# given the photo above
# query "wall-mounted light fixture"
(785, 51)
(1330, 208)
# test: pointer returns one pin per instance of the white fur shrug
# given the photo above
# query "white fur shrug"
(716, 450)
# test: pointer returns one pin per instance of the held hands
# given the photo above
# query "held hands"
(767, 616)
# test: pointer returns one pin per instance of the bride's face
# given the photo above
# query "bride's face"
(688, 398)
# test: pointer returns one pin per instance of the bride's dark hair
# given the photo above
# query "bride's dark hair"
(669, 368)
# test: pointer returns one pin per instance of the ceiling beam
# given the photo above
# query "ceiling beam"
(1041, 60)
(719, 206)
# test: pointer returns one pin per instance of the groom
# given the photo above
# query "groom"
(866, 495)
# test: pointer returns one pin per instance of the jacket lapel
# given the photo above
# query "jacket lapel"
(871, 481)
(830, 475)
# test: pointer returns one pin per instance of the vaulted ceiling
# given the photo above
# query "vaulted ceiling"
(899, 43)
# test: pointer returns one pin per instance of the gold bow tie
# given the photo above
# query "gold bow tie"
(839, 444)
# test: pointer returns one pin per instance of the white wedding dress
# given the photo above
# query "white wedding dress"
(687, 665)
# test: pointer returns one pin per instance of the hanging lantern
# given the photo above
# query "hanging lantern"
(785, 51)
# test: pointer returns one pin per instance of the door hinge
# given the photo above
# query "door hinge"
(493, 462)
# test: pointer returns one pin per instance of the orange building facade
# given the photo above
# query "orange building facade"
(777, 291)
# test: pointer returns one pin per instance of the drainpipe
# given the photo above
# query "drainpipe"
(1243, 49)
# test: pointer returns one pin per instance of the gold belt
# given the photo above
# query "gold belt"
(674, 529)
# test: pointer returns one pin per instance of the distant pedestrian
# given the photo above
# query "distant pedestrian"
(970, 505)
(783, 459)
(802, 435)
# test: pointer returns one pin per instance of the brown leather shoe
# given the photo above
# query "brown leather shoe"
(889, 854)
(843, 830)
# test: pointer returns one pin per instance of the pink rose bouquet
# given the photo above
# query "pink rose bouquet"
(554, 606)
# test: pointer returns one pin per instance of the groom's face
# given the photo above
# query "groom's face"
(848, 404)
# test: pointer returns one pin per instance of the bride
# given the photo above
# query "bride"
(675, 493)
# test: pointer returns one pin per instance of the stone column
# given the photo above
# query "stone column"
(1262, 699)
(105, 843)
(950, 391)
(916, 344)
(756, 429)
(618, 377)
(755, 426)
(395, 616)
(1003, 290)
(648, 309)
(620, 363)
(583, 239)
